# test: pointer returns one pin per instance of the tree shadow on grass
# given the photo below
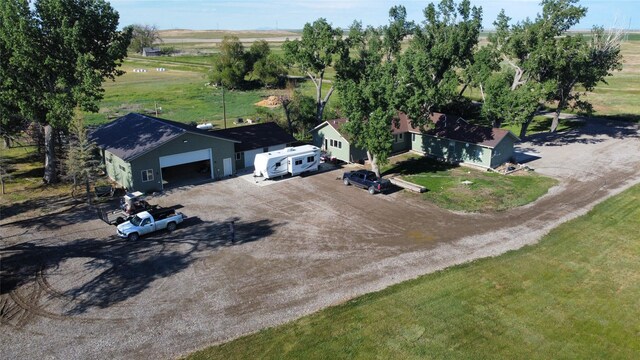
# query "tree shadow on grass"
(108, 270)
(594, 131)
(418, 165)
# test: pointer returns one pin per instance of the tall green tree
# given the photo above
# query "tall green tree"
(429, 71)
(82, 163)
(316, 51)
(367, 80)
(299, 111)
(58, 53)
(229, 67)
(578, 62)
(546, 61)
(143, 36)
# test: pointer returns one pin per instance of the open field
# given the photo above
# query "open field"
(183, 97)
(620, 96)
(488, 191)
(573, 295)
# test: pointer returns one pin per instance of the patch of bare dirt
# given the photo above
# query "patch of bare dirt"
(270, 102)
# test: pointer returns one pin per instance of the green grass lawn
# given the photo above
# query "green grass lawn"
(488, 192)
(25, 180)
(573, 295)
(543, 124)
(180, 92)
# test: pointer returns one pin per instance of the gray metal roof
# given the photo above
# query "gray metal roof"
(135, 134)
(257, 136)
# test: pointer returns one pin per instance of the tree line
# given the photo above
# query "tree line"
(55, 54)
(525, 66)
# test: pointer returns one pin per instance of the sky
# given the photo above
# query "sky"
(293, 14)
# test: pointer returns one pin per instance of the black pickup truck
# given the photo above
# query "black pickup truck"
(365, 179)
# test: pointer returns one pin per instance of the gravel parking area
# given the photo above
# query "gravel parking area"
(72, 290)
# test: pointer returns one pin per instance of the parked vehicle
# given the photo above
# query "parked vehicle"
(365, 179)
(147, 222)
(291, 160)
(130, 204)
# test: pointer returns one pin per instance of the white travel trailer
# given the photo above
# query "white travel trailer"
(291, 160)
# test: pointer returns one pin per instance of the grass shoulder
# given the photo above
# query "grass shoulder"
(25, 177)
(468, 189)
(573, 295)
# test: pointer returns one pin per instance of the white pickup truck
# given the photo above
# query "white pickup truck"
(145, 222)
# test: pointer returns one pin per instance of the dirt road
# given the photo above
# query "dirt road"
(70, 289)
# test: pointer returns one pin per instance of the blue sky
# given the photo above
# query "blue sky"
(293, 14)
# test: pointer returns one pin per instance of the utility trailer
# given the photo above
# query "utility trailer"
(292, 160)
(130, 204)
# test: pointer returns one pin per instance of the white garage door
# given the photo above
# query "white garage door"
(250, 156)
(185, 158)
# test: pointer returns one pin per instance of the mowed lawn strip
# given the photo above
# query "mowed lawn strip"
(573, 295)
(488, 191)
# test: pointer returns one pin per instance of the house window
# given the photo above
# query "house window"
(399, 137)
(298, 162)
(147, 175)
(331, 142)
(326, 144)
(413, 137)
(122, 168)
(238, 156)
(266, 149)
(310, 159)
(278, 164)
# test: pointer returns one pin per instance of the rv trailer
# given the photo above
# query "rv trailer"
(291, 160)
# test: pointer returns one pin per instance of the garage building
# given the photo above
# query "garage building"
(146, 153)
(256, 139)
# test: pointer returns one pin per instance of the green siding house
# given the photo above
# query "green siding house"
(145, 153)
(450, 139)
(327, 136)
(454, 140)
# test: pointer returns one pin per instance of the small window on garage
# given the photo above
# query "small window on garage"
(238, 156)
(310, 159)
(147, 175)
(278, 164)
(299, 162)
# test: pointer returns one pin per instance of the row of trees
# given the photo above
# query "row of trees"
(525, 66)
(56, 54)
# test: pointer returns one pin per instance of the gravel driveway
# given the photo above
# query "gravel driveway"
(70, 289)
